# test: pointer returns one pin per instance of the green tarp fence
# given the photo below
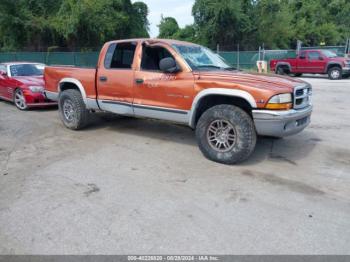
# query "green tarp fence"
(242, 60)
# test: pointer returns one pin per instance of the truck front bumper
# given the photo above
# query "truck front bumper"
(346, 70)
(281, 123)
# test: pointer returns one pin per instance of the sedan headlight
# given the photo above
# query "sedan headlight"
(36, 89)
(280, 102)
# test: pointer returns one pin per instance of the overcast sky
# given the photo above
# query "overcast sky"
(179, 9)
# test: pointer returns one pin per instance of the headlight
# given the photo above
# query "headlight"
(36, 89)
(280, 102)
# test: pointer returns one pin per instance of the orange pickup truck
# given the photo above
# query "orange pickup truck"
(183, 83)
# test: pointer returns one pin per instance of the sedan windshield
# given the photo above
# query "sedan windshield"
(25, 70)
(199, 57)
(329, 53)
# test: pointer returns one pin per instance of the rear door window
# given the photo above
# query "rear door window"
(314, 56)
(120, 56)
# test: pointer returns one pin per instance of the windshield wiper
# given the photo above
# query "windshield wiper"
(217, 67)
(230, 68)
(210, 66)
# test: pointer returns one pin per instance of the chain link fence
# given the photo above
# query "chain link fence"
(239, 59)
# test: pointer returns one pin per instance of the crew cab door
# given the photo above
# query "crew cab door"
(162, 95)
(315, 62)
(115, 78)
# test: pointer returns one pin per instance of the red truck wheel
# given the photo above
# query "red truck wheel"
(335, 73)
(280, 71)
(72, 109)
(226, 134)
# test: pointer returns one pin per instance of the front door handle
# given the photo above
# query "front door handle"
(103, 78)
(139, 81)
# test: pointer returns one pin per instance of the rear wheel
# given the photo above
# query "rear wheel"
(335, 73)
(226, 134)
(19, 99)
(280, 71)
(72, 109)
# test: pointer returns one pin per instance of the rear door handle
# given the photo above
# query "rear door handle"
(103, 78)
(139, 81)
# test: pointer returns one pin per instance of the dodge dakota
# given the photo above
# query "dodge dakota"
(313, 62)
(187, 84)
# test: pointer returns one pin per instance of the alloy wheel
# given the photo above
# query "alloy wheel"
(221, 135)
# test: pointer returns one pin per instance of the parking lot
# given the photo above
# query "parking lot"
(133, 186)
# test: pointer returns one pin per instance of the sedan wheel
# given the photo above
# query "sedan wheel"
(20, 100)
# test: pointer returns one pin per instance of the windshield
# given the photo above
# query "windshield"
(25, 70)
(329, 53)
(199, 57)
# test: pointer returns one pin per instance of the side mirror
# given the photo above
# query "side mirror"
(302, 57)
(321, 58)
(168, 65)
(3, 73)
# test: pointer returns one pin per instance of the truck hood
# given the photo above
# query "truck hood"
(340, 60)
(30, 80)
(261, 81)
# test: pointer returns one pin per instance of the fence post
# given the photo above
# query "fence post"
(238, 56)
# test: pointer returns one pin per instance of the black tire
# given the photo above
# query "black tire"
(72, 109)
(280, 71)
(335, 73)
(243, 126)
(298, 74)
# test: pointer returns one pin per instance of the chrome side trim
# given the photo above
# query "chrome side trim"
(51, 95)
(116, 107)
(219, 91)
(138, 110)
(91, 103)
(168, 114)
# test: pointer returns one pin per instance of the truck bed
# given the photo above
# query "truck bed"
(86, 76)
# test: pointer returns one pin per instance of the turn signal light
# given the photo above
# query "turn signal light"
(286, 106)
(280, 102)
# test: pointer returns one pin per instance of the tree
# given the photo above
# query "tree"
(273, 24)
(168, 27)
(140, 22)
(220, 22)
(313, 22)
(39, 24)
(26, 24)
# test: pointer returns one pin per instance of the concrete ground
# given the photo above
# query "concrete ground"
(127, 186)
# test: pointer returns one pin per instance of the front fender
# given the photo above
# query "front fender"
(218, 91)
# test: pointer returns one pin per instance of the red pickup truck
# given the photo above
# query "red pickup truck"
(183, 83)
(313, 62)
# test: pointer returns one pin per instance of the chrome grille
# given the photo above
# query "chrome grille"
(302, 96)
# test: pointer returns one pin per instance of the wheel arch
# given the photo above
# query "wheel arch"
(332, 64)
(283, 64)
(72, 83)
(215, 96)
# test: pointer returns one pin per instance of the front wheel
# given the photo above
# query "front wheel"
(226, 134)
(20, 100)
(335, 73)
(72, 109)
